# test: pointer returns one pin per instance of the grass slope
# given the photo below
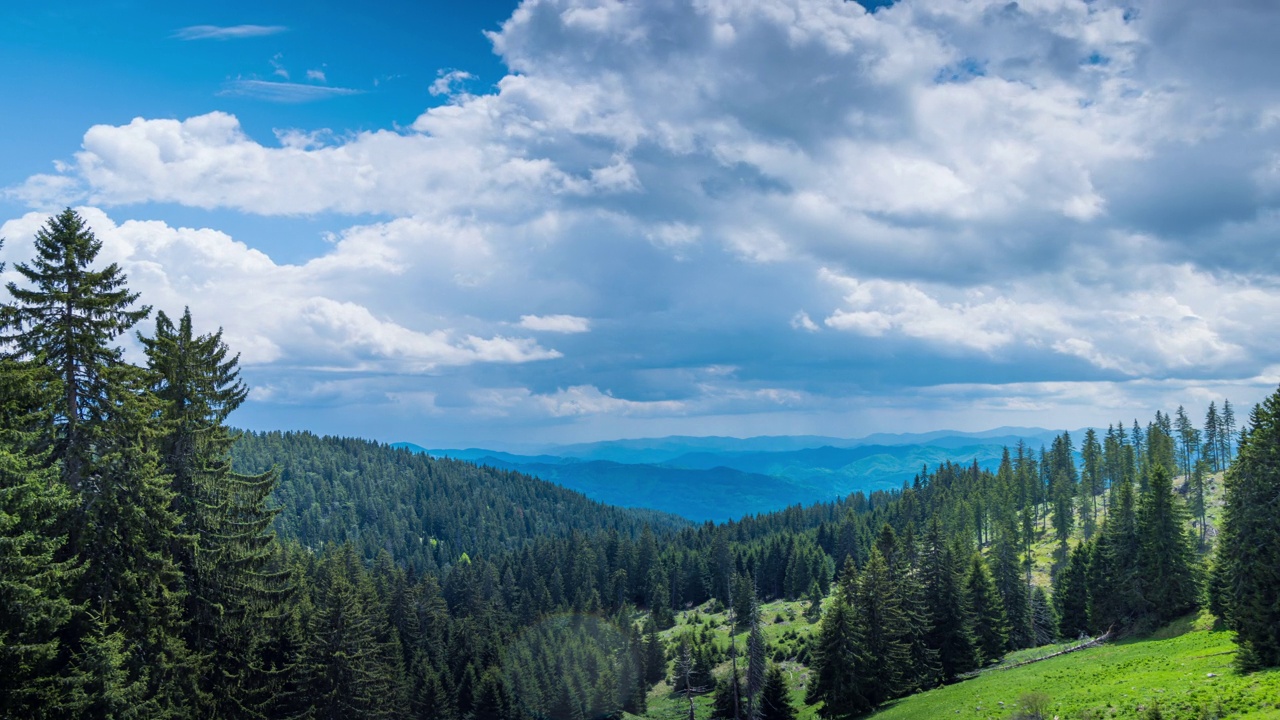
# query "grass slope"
(1185, 669)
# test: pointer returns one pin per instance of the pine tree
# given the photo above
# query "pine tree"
(725, 704)
(655, 660)
(69, 318)
(1009, 584)
(1071, 595)
(230, 590)
(990, 624)
(128, 545)
(1249, 546)
(1115, 598)
(35, 602)
(1044, 621)
(775, 699)
(838, 657)
(948, 607)
(1166, 560)
(1212, 444)
(878, 611)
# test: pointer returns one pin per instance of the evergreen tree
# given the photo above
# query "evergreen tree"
(838, 657)
(35, 580)
(1071, 595)
(948, 606)
(726, 703)
(655, 660)
(1115, 598)
(1044, 621)
(230, 589)
(68, 319)
(1009, 584)
(878, 612)
(775, 699)
(1166, 558)
(990, 624)
(1249, 546)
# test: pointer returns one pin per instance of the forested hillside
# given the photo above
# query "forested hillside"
(425, 512)
(145, 575)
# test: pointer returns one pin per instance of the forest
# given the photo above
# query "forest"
(157, 563)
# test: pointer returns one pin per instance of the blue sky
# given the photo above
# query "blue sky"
(563, 220)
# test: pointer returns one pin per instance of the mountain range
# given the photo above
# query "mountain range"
(723, 478)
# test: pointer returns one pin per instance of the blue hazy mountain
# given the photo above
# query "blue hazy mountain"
(720, 478)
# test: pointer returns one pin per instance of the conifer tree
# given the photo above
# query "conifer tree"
(1044, 621)
(725, 704)
(1166, 559)
(948, 606)
(1071, 595)
(1114, 587)
(68, 318)
(230, 588)
(1009, 584)
(878, 609)
(838, 657)
(990, 624)
(35, 577)
(1249, 547)
(775, 699)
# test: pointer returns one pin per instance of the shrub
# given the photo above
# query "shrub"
(1032, 706)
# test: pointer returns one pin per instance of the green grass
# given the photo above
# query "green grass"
(1185, 669)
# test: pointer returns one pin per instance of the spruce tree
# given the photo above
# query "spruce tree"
(990, 624)
(948, 606)
(1009, 583)
(775, 699)
(1166, 559)
(1044, 621)
(1071, 595)
(1249, 546)
(230, 589)
(35, 577)
(878, 609)
(1115, 599)
(69, 317)
(838, 657)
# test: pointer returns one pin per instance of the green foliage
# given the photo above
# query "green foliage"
(1167, 565)
(990, 625)
(1249, 550)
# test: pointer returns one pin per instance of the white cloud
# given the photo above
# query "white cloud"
(1079, 187)
(316, 75)
(284, 315)
(231, 32)
(283, 92)
(555, 323)
(802, 321)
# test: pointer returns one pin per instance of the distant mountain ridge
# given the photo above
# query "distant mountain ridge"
(723, 478)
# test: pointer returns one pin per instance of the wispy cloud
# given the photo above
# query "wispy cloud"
(317, 75)
(233, 32)
(555, 323)
(283, 92)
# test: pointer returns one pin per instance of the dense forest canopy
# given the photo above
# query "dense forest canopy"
(157, 563)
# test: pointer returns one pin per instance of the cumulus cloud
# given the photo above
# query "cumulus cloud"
(1083, 187)
(555, 323)
(287, 315)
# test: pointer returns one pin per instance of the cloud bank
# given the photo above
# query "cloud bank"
(856, 212)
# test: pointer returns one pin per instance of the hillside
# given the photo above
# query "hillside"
(426, 511)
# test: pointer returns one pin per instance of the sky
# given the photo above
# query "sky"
(502, 223)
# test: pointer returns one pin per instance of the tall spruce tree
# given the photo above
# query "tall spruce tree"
(1167, 565)
(1071, 594)
(990, 624)
(231, 588)
(838, 656)
(1115, 598)
(35, 575)
(775, 699)
(878, 609)
(69, 316)
(1249, 546)
(948, 606)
